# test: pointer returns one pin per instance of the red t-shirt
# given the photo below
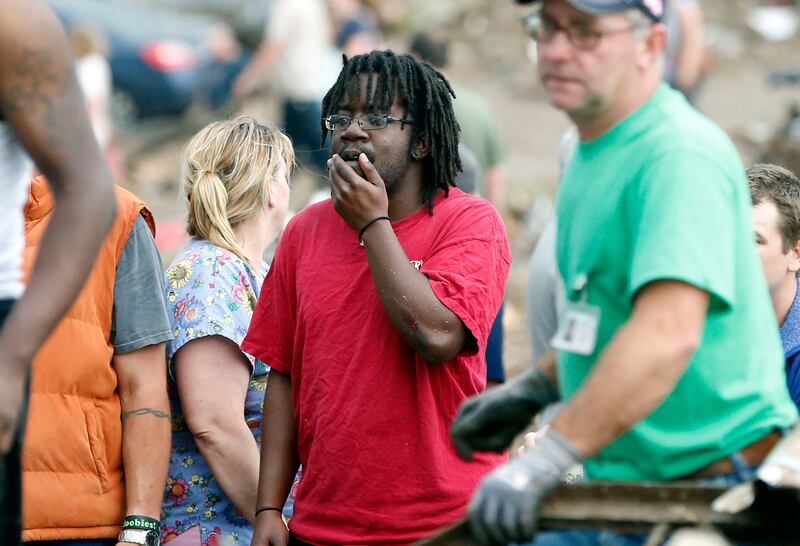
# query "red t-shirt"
(373, 418)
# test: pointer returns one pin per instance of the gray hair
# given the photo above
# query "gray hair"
(640, 28)
(640, 23)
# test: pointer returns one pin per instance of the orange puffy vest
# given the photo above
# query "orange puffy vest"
(72, 479)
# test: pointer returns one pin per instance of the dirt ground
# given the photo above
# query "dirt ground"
(490, 55)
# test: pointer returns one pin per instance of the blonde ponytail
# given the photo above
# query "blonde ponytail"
(226, 171)
(209, 206)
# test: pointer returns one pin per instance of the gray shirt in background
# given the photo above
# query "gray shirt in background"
(546, 293)
(139, 317)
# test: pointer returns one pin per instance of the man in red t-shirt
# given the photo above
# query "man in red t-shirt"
(374, 318)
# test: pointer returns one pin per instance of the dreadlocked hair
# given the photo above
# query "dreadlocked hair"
(424, 93)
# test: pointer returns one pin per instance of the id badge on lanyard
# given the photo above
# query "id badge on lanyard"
(577, 326)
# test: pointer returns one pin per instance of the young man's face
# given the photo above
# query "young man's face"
(388, 148)
(586, 82)
(780, 266)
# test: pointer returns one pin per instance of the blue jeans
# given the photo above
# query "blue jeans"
(494, 350)
(608, 538)
(592, 538)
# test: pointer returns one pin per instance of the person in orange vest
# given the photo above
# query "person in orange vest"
(42, 121)
(98, 433)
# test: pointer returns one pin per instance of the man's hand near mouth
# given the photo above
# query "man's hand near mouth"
(351, 158)
(357, 190)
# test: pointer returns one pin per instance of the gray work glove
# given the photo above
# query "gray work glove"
(490, 421)
(505, 508)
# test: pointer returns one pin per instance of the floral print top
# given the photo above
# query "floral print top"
(210, 291)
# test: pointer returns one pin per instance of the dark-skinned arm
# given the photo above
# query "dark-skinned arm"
(146, 430)
(279, 460)
(423, 321)
(41, 100)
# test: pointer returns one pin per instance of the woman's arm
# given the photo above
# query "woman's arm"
(213, 376)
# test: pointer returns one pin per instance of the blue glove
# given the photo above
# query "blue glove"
(505, 508)
(491, 421)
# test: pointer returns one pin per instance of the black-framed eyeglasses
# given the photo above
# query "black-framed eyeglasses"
(543, 30)
(368, 122)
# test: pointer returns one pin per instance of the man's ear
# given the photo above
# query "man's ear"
(654, 44)
(421, 147)
(794, 262)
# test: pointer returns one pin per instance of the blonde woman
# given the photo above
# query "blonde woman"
(234, 176)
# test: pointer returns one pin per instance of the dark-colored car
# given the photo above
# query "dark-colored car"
(161, 61)
(246, 17)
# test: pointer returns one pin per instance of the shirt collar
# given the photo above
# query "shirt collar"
(790, 329)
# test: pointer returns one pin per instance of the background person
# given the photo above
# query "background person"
(686, 55)
(658, 301)
(375, 314)
(98, 408)
(480, 131)
(292, 58)
(94, 77)
(481, 135)
(235, 178)
(775, 193)
(356, 27)
(42, 118)
(545, 293)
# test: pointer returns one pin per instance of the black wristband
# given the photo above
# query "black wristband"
(269, 508)
(363, 229)
(141, 522)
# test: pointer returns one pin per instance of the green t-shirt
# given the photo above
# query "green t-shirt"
(663, 195)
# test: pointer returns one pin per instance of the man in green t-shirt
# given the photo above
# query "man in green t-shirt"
(670, 363)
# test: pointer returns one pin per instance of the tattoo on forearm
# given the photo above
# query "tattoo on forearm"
(144, 411)
(43, 92)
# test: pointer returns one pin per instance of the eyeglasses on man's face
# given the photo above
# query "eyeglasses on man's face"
(542, 29)
(368, 122)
